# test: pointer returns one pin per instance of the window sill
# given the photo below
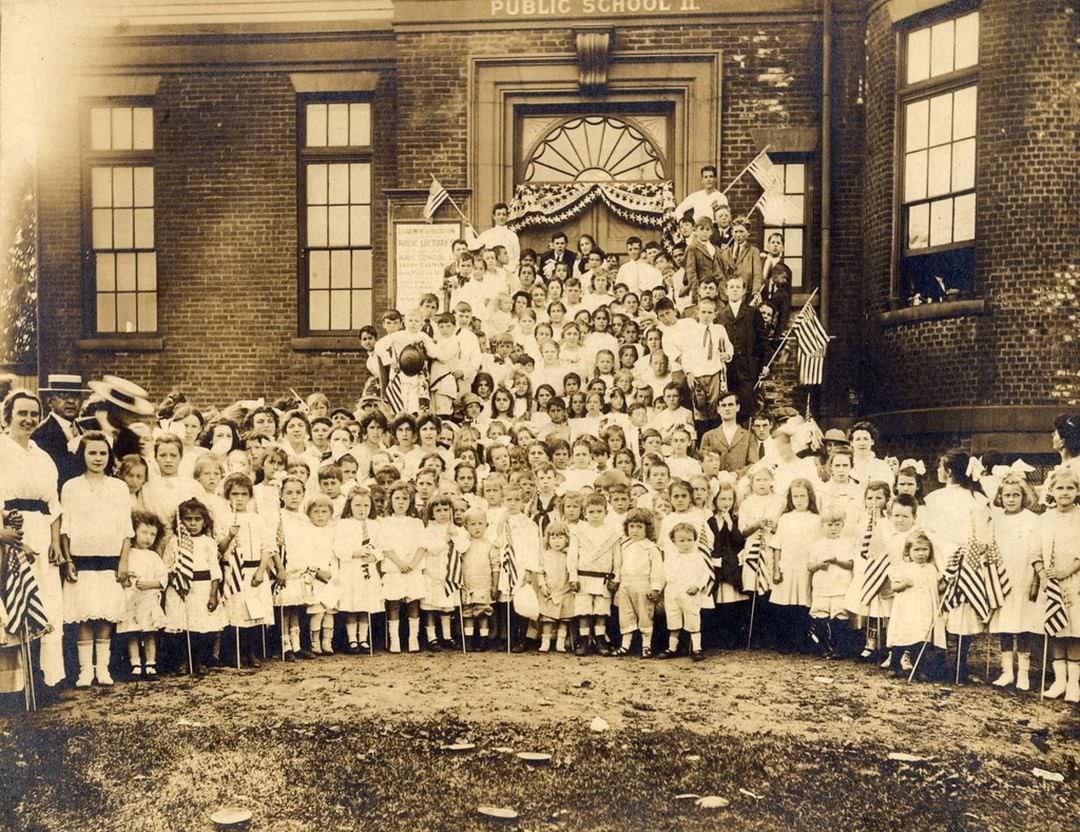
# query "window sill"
(326, 343)
(102, 343)
(934, 311)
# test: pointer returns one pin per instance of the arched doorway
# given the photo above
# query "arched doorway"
(605, 175)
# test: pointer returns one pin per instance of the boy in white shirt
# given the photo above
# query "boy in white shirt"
(830, 568)
(594, 575)
(687, 576)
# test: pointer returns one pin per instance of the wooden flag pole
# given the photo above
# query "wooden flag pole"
(742, 172)
(929, 635)
(461, 621)
(370, 636)
(959, 653)
(785, 338)
(753, 606)
(1042, 682)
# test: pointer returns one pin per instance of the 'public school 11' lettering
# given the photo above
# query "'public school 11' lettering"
(551, 8)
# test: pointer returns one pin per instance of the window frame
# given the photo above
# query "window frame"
(91, 158)
(908, 93)
(332, 154)
(809, 267)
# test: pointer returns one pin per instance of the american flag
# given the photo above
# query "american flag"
(706, 541)
(395, 397)
(437, 195)
(234, 570)
(184, 568)
(877, 569)
(768, 175)
(813, 340)
(967, 580)
(753, 560)
(995, 579)
(26, 614)
(1055, 618)
(508, 560)
(453, 570)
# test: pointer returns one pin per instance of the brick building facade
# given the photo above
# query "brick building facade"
(243, 152)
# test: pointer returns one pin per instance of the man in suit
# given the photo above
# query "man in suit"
(737, 316)
(729, 438)
(558, 253)
(703, 259)
(63, 394)
(742, 258)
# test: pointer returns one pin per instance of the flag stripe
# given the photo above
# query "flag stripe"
(437, 195)
(26, 613)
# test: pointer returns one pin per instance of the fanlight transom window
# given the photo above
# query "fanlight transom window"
(594, 149)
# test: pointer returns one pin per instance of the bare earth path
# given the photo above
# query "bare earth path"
(356, 742)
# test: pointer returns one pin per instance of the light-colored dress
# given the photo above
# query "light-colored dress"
(143, 612)
(1060, 544)
(253, 605)
(951, 515)
(191, 613)
(796, 534)
(878, 607)
(441, 542)
(401, 535)
(1018, 541)
(753, 511)
(560, 607)
(96, 521)
(359, 584)
(915, 608)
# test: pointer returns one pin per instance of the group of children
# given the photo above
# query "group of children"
(531, 472)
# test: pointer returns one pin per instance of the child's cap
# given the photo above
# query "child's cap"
(471, 398)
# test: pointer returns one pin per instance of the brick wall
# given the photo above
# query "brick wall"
(226, 237)
(1026, 226)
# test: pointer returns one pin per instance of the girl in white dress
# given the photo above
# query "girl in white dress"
(954, 515)
(403, 581)
(916, 606)
(294, 587)
(796, 532)
(317, 553)
(359, 584)
(444, 545)
(758, 512)
(95, 535)
(1060, 571)
(869, 540)
(248, 547)
(193, 599)
(1019, 619)
(146, 579)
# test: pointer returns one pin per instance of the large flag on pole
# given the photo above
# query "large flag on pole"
(437, 195)
(768, 176)
(813, 340)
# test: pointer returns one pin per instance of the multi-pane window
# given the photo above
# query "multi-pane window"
(787, 217)
(337, 173)
(939, 119)
(121, 216)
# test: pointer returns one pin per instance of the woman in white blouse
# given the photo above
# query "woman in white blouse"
(28, 486)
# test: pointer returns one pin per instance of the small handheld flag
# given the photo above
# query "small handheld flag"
(437, 195)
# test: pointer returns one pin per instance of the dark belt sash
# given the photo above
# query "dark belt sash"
(250, 563)
(590, 574)
(201, 575)
(19, 504)
(96, 563)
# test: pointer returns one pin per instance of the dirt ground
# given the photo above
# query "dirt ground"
(350, 742)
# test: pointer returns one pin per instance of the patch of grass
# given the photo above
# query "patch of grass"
(389, 776)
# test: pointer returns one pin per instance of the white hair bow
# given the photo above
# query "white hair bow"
(917, 464)
(1018, 467)
(726, 478)
(975, 468)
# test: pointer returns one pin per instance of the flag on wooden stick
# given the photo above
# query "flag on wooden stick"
(813, 340)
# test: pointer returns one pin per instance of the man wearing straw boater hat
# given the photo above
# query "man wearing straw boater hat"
(63, 395)
(119, 404)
